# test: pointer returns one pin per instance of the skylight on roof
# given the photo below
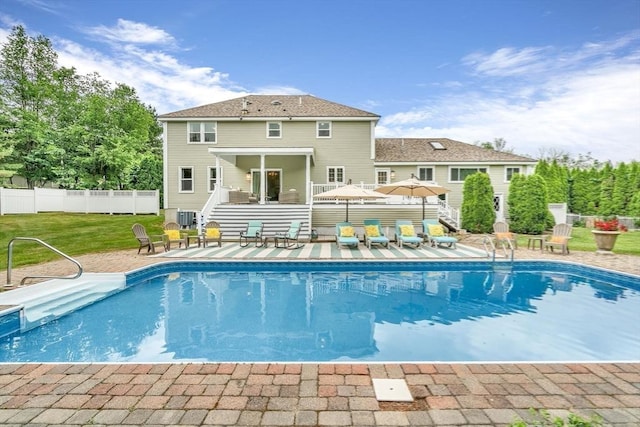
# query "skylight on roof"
(437, 145)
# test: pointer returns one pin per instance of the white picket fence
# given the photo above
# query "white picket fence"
(16, 201)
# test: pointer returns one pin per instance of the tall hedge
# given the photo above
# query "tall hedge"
(478, 213)
(528, 205)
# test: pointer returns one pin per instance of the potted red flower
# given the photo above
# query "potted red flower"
(606, 232)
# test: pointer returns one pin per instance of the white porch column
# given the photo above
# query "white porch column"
(263, 178)
(218, 180)
(307, 177)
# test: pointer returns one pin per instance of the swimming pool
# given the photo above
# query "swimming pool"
(345, 311)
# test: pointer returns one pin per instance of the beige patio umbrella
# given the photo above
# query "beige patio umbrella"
(349, 192)
(413, 187)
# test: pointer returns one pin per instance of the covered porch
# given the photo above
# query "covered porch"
(261, 174)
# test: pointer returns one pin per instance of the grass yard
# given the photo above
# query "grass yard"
(582, 240)
(77, 234)
(73, 234)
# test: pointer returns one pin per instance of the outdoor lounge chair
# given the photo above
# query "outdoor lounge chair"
(289, 239)
(406, 234)
(211, 233)
(173, 234)
(435, 235)
(146, 241)
(373, 233)
(346, 235)
(559, 238)
(253, 233)
(503, 235)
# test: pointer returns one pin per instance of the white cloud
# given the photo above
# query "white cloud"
(580, 107)
(131, 32)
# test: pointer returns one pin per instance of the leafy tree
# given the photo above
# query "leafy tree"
(74, 131)
(478, 213)
(584, 197)
(26, 74)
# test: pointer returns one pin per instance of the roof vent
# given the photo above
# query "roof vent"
(275, 102)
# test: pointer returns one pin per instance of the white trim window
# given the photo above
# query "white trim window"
(335, 174)
(323, 129)
(425, 173)
(274, 129)
(383, 176)
(509, 172)
(458, 174)
(185, 180)
(202, 132)
(213, 178)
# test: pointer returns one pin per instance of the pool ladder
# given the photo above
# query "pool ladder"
(46, 245)
(490, 248)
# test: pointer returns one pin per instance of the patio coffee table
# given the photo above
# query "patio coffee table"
(535, 241)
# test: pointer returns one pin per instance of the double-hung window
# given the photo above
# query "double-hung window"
(335, 174)
(274, 129)
(323, 129)
(509, 172)
(425, 173)
(202, 132)
(185, 180)
(459, 174)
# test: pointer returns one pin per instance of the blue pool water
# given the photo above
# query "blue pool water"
(349, 311)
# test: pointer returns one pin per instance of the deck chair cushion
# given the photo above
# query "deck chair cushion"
(558, 239)
(173, 234)
(505, 235)
(347, 232)
(436, 230)
(213, 233)
(407, 230)
(372, 230)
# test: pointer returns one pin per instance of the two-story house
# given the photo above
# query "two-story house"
(276, 151)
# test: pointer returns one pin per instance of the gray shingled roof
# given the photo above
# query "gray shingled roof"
(420, 150)
(271, 106)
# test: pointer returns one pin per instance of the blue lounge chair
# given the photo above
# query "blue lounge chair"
(406, 234)
(346, 235)
(373, 233)
(253, 232)
(435, 234)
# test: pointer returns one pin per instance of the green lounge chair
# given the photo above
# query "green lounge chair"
(435, 235)
(373, 233)
(253, 232)
(346, 235)
(289, 239)
(406, 234)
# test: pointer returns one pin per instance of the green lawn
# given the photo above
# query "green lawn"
(582, 240)
(73, 234)
(77, 234)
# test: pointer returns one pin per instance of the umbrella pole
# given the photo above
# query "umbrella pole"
(423, 207)
(347, 220)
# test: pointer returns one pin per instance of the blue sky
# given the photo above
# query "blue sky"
(546, 76)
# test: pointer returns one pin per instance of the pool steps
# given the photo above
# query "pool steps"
(46, 301)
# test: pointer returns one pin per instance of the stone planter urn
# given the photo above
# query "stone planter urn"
(605, 240)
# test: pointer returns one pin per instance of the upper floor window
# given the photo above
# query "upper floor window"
(186, 180)
(459, 174)
(323, 129)
(509, 172)
(383, 176)
(202, 132)
(425, 174)
(274, 129)
(335, 174)
(213, 178)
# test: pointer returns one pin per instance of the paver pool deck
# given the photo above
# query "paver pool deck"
(312, 394)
